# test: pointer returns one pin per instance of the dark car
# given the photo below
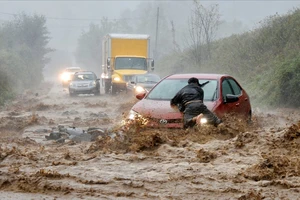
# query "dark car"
(142, 83)
(222, 94)
(84, 82)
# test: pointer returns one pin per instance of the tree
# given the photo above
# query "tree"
(23, 49)
(89, 47)
(203, 25)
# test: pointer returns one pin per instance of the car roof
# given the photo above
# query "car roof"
(73, 68)
(197, 75)
(85, 72)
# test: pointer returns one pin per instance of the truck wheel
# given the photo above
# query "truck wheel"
(114, 89)
(106, 88)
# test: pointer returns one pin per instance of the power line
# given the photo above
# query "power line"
(75, 19)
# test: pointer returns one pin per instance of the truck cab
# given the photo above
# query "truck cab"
(125, 56)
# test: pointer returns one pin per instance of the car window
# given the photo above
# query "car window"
(236, 88)
(141, 79)
(226, 89)
(168, 88)
(210, 90)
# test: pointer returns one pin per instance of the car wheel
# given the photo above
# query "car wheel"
(249, 118)
(97, 93)
(72, 94)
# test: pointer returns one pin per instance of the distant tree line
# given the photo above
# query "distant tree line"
(265, 60)
(201, 30)
(23, 46)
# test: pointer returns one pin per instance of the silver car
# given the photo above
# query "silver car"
(84, 82)
(142, 83)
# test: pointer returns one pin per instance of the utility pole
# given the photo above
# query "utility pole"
(156, 35)
(175, 45)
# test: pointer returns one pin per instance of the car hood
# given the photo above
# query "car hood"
(146, 85)
(160, 109)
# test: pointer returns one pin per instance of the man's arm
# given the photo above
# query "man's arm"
(176, 99)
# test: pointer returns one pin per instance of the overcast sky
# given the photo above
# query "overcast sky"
(67, 19)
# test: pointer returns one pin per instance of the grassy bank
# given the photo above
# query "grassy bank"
(265, 60)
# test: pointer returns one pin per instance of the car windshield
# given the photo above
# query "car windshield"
(168, 88)
(149, 78)
(83, 77)
(130, 63)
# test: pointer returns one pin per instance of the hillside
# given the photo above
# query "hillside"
(266, 60)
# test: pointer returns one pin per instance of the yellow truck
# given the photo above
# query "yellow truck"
(123, 56)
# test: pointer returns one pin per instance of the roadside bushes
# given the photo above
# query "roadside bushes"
(265, 60)
(288, 75)
(23, 46)
(5, 87)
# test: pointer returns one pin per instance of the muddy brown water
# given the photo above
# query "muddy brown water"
(235, 161)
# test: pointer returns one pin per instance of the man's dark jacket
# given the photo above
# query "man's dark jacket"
(191, 92)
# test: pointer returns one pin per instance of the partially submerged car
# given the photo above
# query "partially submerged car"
(84, 82)
(222, 95)
(142, 83)
(67, 74)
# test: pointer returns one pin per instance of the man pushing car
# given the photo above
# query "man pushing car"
(189, 101)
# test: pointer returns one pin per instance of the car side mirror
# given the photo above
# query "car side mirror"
(140, 96)
(230, 98)
(132, 82)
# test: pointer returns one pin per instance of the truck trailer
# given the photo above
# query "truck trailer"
(123, 56)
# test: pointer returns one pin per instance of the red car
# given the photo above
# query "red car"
(222, 94)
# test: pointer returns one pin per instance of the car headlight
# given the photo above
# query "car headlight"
(139, 89)
(203, 121)
(92, 84)
(104, 76)
(65, 77)
(132, 115)
(117, 79)
(137, 118)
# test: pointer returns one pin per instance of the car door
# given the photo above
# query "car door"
(243, 103)
(229, 86)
